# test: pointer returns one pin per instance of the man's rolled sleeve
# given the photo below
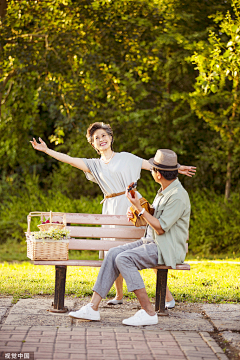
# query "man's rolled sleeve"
(171, 213)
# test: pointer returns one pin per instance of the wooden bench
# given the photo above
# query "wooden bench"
(88, 238)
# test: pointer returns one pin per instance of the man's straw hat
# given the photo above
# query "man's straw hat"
(165, 159)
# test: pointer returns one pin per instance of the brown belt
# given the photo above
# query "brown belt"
(112, 195)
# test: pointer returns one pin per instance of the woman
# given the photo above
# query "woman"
(113, 172)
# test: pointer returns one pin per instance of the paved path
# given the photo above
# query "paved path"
(29, 331)
(47, 342)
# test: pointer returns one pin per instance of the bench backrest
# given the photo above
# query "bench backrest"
(88, 236)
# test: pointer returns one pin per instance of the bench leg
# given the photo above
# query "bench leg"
(60, 281)
(161, 291)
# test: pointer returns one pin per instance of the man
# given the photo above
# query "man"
(164, 243)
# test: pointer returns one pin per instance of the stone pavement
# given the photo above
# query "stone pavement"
(192, 332)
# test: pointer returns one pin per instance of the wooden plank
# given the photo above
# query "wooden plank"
(89, 244)
(178, 267)
(98, 263)
(99, 232)
(85, 244)
(94, 219)
(93, 263)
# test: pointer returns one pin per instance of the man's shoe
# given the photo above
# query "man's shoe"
(141, 318)
(86, 312)
(170, 304)
(115, 302)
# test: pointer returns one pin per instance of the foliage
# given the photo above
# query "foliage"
(18, 202)
(67, 64)
(205, 282)
(217, 95)
(214, 225)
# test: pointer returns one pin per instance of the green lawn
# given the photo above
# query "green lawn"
(205, 282)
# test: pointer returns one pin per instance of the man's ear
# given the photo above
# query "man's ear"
(159, 176)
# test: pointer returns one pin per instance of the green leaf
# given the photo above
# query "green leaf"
(213, 88)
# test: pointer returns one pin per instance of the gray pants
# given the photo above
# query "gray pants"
(126, 259)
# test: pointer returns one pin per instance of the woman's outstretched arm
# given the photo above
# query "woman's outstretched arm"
(185, 170)
(76, 162)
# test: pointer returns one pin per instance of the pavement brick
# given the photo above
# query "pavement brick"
(65, 345)
(76, 356)
(60, 356)
(160, 352)
(125, 346)
(78, 347)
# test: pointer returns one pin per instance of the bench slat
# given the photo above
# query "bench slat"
(93, 263)
(99, 232)
(98, 263)
(85, 244)
(93, 219)
(178, 267)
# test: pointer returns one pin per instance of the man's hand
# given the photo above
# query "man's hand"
(187, 170)
(134, 200)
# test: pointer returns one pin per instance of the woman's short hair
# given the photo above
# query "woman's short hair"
(96, 126)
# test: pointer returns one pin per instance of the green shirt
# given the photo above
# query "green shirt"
(173, 212)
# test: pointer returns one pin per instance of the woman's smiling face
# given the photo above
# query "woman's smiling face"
(101, 140)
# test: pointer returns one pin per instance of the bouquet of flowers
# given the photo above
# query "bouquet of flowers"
(51, 234)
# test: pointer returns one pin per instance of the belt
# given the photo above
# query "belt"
(112, 195)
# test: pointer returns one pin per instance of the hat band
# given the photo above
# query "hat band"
(165, 166)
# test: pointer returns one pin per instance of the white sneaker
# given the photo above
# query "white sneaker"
(170, 304)
(86, 312)
(141, 318)
(115, 302)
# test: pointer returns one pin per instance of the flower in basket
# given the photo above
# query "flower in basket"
(51, 234)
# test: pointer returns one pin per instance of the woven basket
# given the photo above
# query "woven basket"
(46, 227)
(39, 249)
(46, 249)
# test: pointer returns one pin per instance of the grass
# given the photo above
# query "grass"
(205, 282)
(212, 282)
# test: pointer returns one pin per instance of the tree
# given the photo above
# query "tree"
(217, 94)
(69, 63)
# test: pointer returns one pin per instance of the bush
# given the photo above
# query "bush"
(214, 224)
(19, 201)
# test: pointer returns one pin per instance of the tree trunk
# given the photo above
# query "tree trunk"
(3, 8)
(228, 180)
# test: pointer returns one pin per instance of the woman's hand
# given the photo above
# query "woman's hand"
(187, 170)
(41, 147)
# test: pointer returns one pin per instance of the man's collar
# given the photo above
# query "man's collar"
(174, 184)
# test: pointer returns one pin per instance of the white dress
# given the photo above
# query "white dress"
(114, 177)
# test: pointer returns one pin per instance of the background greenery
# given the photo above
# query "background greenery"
(164, 74)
